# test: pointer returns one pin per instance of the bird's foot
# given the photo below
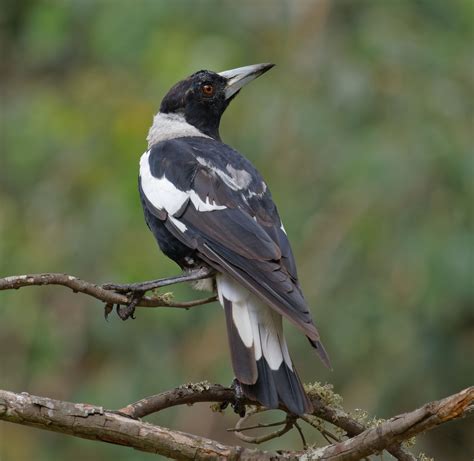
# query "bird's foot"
(136, 291)
(238, 404)
(128, 311)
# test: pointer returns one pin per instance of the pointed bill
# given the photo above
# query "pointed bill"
(237, 78)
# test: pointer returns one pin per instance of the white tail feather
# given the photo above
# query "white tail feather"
(256, 323)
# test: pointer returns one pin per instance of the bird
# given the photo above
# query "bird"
(208, 206)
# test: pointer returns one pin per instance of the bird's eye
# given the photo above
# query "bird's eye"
(208, 90)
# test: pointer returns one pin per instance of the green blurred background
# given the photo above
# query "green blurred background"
(363, 131)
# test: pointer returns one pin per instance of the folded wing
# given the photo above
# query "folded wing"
(216, 203)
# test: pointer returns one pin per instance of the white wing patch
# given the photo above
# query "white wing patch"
(233, 178)
(163, 194)
(160, 192)
(181, 226)
(241, 178)
(203, 206)
(257, 324)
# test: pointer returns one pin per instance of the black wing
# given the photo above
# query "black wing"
(230, 219)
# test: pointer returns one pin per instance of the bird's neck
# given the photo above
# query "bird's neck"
(206, 124)
(171, 126)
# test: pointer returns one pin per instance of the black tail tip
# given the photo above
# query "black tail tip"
(276, 388)
(321, 351)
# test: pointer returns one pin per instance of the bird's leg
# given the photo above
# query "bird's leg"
(238, 404)
(136, 291)
(141, 287)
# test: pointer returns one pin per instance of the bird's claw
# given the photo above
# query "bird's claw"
(238, 405)
(128, 311)
(237, 402)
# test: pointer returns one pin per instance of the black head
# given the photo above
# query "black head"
(203, 97)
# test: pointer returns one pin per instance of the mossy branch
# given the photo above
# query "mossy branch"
(123, 428)
(354, 438)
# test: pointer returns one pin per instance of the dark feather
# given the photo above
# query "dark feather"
(245, 239)
(321, 351)
(264, 390)
(275, 386)
(243, 358)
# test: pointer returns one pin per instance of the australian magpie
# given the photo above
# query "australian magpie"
(207, 205)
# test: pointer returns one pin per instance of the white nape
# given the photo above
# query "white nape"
(171, 126)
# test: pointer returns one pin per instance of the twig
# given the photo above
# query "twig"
(328, 435)
(300, 432)
(104, 292)
(256, 426)
(289, 423)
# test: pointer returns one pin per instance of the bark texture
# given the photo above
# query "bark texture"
(96, 423)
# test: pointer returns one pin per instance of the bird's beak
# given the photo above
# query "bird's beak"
(237, 78)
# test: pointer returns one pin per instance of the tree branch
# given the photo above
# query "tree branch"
(95, 423)
(400, 428)
(92, 422)
(123, 427)
(107, 292)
